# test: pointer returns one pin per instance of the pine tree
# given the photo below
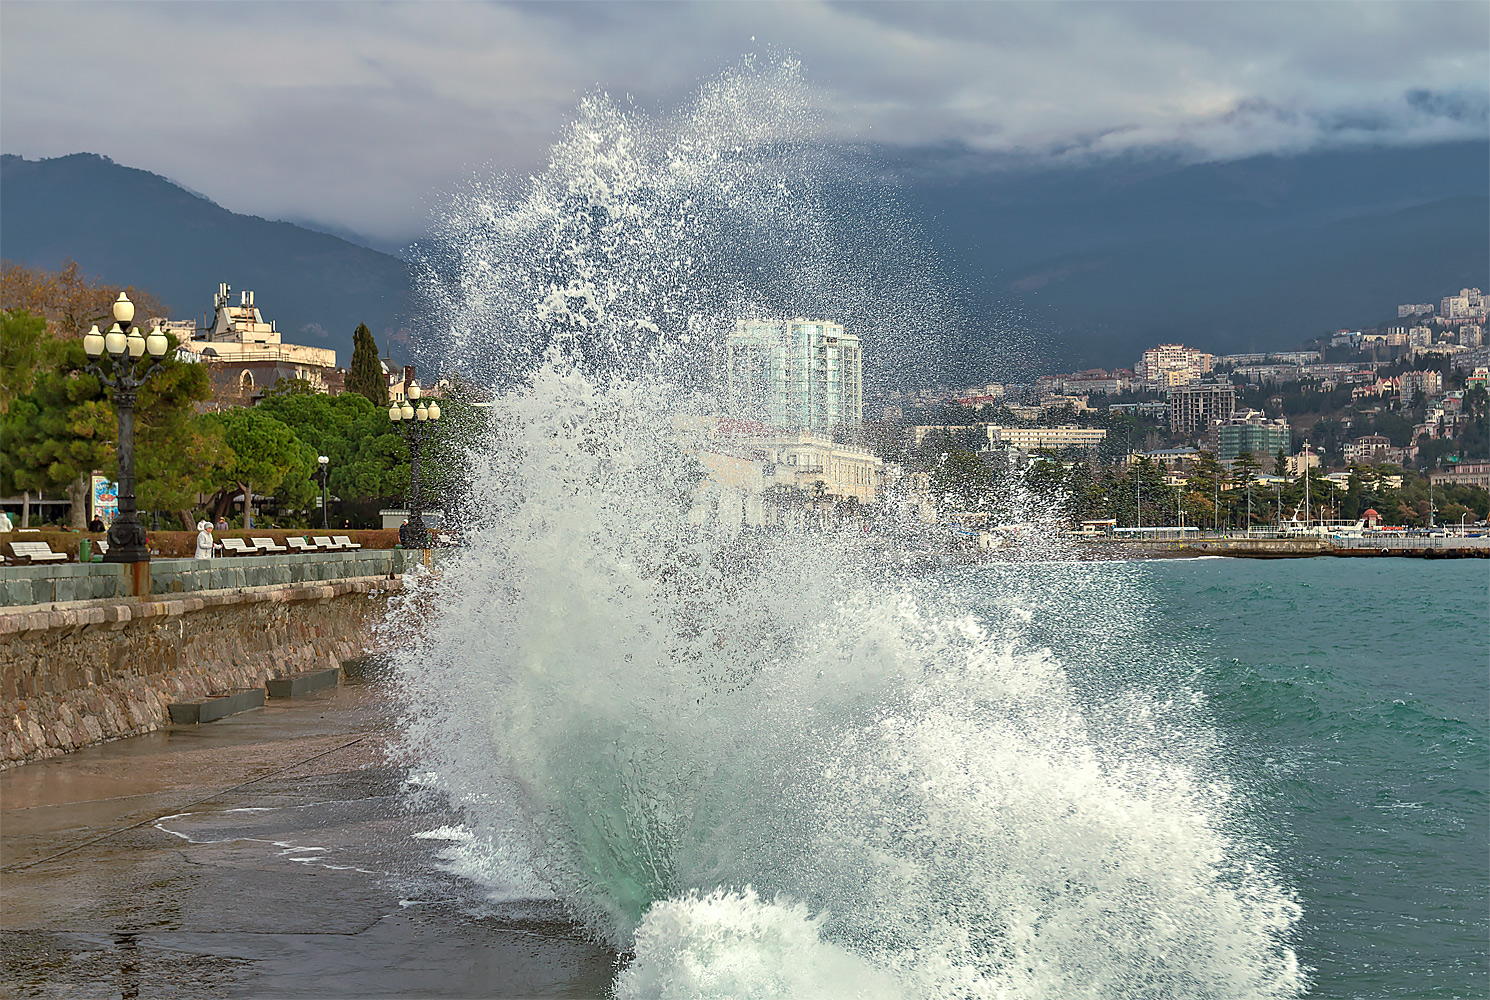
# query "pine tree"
(365, 376)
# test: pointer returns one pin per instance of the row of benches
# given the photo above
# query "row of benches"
(317, 543)
(41, 552)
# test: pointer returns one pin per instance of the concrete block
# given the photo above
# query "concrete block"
(301, 684)
(216, 707)
(18, 591)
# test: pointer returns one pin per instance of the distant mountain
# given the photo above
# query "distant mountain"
(1050, 266)
(1261, 254)
(134, 227)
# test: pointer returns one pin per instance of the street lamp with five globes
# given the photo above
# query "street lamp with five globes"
(412, 421)
(125, 347)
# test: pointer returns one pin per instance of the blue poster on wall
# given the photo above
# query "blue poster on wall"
(105, 499)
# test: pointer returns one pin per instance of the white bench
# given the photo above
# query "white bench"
(346, 542)
(238, 547)
(325, 544)
(268, 545)
(37, 552)
(299, 544)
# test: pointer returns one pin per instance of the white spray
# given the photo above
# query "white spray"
(768, 764)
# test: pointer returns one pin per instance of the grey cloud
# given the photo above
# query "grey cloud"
(361, 115)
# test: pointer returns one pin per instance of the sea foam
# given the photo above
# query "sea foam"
(775, 763)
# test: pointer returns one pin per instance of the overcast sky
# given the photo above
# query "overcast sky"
(361, 115)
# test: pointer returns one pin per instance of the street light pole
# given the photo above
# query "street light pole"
(412, 423)
(1306, 483)
(322, 460)
(125, 346)
(1138, 505)
(1432, 501)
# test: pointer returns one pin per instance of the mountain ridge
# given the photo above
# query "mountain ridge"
(1078, 266)
(132, 226)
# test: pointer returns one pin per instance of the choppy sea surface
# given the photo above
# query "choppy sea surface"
(763, 763)
(1185, 778)
(1350, 699)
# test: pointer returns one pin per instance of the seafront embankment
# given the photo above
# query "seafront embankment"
(1295, 547)
(78, 669)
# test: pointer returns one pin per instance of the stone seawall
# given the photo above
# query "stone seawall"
(76, 675)
(62, 583)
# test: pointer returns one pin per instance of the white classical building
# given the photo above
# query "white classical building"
(799, 374)
(757, 472)
(247, 354)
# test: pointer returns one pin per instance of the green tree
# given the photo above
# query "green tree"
(260, 452)
(55, 436)
(445, 461)
(25, 350)
(65, 429)
(1081, 496)
(365, 375)
(1202, 491)
(290, 387)
(960, 481)
(172, 445)
(368, 459)
(1245, 469)
(1045, 478)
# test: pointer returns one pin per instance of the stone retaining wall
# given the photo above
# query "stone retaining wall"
(73, 676)
(54, 583)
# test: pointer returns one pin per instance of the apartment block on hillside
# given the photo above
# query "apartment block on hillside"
(1193, 407)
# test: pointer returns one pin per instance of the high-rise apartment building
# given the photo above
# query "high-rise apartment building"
(1249, 431)
(1173, 364)
(799, 374)
(1193, 407)
(1468, 303)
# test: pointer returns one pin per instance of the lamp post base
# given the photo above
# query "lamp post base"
(127, 543)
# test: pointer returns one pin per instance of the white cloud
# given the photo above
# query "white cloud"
(358, 114)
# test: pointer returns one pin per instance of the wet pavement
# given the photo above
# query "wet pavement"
(269, 854)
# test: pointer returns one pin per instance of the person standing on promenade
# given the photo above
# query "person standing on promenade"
(204, 540)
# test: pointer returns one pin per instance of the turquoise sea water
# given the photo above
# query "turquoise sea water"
(1351, 701)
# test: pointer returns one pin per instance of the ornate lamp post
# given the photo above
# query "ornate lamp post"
(322, 460)
(412, 423)
(125, 347)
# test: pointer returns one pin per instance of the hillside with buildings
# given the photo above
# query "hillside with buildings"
(137, 228)
(1102, 259)
(1400, 408)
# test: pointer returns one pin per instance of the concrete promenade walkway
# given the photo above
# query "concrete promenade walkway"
(270, 854)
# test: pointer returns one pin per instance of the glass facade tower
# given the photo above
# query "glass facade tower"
(796, 374)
